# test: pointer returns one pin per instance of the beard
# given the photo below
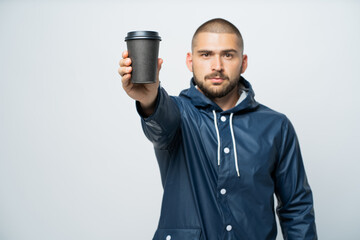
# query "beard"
(212, 92)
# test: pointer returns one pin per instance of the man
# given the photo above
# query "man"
(222, 155)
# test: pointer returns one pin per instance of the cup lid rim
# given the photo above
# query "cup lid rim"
(142, 35)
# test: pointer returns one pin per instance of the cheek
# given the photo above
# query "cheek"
(234, 69)
(199, 68)
(198, 65)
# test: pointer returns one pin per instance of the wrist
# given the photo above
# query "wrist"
(148, 106)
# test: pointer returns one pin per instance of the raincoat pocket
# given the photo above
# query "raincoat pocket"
(177, 234)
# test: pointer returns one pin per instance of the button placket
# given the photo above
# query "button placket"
(224, 170)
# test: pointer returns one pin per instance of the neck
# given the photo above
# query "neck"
(228, 101)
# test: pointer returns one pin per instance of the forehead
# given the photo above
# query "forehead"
(216, 41)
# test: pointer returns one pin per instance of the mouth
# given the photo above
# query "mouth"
(216, 80)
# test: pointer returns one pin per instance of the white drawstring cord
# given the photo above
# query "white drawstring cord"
(233, 140)
(234, 144)
(218, 136)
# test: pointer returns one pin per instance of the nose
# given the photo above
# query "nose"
(217, 64)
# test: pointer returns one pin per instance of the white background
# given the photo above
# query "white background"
(74, 163)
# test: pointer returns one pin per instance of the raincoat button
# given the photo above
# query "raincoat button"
(226, 150)
(223, 118)
(228, 228)
(223, 191)
(168, 237)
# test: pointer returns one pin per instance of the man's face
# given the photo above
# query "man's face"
(216, 62)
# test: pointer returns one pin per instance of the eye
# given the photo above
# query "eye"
(205, 54)
(228, 55)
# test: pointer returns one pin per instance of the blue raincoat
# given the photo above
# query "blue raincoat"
(221, 169)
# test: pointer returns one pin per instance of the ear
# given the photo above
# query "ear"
(244, 63)
(189, 61)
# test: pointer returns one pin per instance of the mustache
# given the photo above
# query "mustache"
(216, 75)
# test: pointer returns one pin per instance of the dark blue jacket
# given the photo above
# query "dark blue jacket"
(221, 169)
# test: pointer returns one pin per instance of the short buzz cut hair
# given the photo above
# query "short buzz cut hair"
(219, 25)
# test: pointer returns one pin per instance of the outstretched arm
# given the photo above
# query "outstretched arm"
(160, 114)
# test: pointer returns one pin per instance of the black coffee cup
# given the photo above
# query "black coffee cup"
(143, 48)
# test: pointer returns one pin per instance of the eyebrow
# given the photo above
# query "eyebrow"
(222, 51)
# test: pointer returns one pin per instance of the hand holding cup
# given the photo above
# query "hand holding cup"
(140, 70)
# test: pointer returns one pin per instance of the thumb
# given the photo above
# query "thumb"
(160, 62)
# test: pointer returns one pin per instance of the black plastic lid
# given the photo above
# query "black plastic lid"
(142, 35)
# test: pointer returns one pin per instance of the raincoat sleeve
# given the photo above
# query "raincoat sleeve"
(295, 201)
(161, 127)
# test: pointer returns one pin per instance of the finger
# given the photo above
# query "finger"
(124, 70)
(125, 54)
(125, 62)
(125, 80)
